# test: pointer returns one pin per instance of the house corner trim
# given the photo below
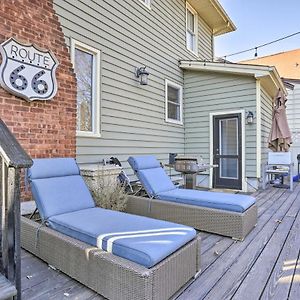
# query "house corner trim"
(258, 128)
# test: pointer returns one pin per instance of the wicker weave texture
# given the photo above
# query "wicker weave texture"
(232, 224)
(111, 276)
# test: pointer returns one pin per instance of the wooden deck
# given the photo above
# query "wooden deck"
(266, 265)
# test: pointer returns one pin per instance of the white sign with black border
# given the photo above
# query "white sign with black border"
(28, 71)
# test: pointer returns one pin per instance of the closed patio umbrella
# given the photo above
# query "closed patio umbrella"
(280, 136)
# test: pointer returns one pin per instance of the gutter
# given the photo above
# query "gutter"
(257, 71)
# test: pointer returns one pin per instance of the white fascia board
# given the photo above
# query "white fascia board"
(223, 67)
(243, 69)
(278, 81)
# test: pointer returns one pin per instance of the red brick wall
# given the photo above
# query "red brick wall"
(44, 128)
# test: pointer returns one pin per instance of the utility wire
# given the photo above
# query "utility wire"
(263, 45)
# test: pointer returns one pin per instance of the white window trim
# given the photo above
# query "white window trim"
(96, 83)
(147, 3)
(194, 12)
(179, 87)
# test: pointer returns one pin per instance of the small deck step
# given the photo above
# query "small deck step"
(7, 289)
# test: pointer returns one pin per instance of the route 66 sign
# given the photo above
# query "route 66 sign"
(27, 71)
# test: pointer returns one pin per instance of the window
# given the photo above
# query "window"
(146, 2)
(86, 62)
(191, 29)
(173, 102)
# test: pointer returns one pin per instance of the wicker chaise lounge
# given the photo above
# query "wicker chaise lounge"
(221, 213)
(119, 255)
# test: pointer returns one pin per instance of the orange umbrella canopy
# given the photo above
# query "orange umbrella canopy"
(280, 137)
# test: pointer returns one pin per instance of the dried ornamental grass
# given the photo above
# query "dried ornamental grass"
(109, 193)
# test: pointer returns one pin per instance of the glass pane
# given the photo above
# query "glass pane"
(173, 94)
(229, 168)
(84, 75)
(173, 111)
(190, 21)
(229, 137)
(190, 41)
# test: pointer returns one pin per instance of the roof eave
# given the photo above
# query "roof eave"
(239, 69)
(214, 15)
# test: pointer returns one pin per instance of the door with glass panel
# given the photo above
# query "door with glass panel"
(227, 152)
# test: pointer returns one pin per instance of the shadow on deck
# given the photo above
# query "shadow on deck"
(266, 265)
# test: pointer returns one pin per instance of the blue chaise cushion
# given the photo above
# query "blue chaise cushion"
(224, 201)
(158, 184)
(140, 239)
(142, 162)
(65, 202)
(57, 187)
(53, 167)
(152, 176)
(155, 181)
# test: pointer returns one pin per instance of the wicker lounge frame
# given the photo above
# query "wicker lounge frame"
(111, 276)
(233, 224)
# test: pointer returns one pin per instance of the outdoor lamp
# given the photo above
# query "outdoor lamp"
(249, 117)
(143, 74)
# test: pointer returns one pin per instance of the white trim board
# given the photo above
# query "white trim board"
(258, 129)
(96, 110)
(188, 7)
(180, 89)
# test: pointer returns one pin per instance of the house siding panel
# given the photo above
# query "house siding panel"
(207, 92)
(205, 41)
(266, 123)
(133, 116)
(293, 116)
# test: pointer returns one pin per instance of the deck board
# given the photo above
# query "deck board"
(264, 266)
(239, 255)
(7, 289)
(295, 288)
(262, 251)
(280, 281)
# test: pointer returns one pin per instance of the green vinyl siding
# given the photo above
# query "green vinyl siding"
(266, 123)
(293, 107)
(208, 92)
(205, 41)
(293, 116)
(130, 35)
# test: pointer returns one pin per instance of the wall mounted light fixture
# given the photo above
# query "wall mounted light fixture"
(142, 74)
(249, 117)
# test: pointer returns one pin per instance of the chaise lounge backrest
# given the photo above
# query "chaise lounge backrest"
(57, 187)
(279, 158)
(151, 174)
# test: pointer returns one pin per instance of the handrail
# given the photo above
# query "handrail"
(12, 159)
(12, 152)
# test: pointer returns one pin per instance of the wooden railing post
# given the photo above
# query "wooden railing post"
(12, 159)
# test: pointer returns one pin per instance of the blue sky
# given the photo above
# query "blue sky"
(259, 22)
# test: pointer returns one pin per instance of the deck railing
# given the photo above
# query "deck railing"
(12, 159)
